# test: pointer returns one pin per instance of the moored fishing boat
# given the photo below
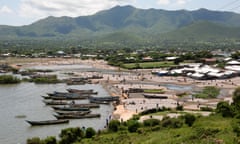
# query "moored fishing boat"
(53, 102)
(98, 101)
(71, 108)
(155, 96)
(67, 94)
(77, 116)
(91, 105)
(47, 122)
(107, 98)
(68, 98)
(72, 112)
(90, 91)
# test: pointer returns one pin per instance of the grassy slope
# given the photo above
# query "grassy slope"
(186, 135)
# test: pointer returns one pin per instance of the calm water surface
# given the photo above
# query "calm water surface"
(25, 99)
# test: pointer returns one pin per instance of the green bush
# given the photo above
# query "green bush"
(114, 125)
(171, 122)
(133, 125)
(50, 140)
(70, 135)
(90, 132)
(151, 122)
(206, 109)
(34, 140)
(225, 109)
(189, 119)
(179, 107)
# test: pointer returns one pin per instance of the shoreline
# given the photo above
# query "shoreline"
(114, 84)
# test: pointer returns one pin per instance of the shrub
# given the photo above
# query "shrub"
(179, 107)
(133, 125)
(171, 122)
(225, 109)
(114, 125)
(50, 140)
(90, 132)
(206, 109)
(34, 140)
(70, 135)
(151, 122)
(122, 128)
(189, 119)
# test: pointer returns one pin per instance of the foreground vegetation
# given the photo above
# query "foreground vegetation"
(223, 126)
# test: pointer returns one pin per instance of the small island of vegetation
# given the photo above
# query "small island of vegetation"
(9, 79)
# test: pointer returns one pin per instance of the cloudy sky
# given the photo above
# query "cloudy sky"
(23, 12)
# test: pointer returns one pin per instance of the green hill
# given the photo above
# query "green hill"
(126, 23)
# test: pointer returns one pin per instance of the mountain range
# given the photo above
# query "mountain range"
(127, 23)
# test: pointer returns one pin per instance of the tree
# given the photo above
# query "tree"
(70, 135)
(90, 132)
(225, 109)
(189, 119)
(114, 125)
(133, 125)
(236, 96)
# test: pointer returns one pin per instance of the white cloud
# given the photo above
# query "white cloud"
(172, 2)
(5, 10)
(181, 2)
(43, 8)
(163, 2)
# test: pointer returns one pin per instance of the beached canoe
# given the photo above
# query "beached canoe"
(67, 94)
(53, 102)
(91, 105)
(66, 97)
(155, 96)
(107, 98)
(47, 122)
(89, 91)
(77, 116)
(71, 108)
(72, 112)
(99, 102)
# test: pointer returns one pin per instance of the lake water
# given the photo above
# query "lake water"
(25, 99)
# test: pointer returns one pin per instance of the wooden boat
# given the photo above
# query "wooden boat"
(99, 102)
(68, 98)
(91, 105)
(71, 108)
(78, 90)
(47, 122)
(53, 102)
(90, 91)
(108, 98)
(67, 94)
(46, 97)
(72, 112)
(155, 96)
(77, 116)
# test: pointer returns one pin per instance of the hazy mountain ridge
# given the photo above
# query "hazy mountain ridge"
(136, 23)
